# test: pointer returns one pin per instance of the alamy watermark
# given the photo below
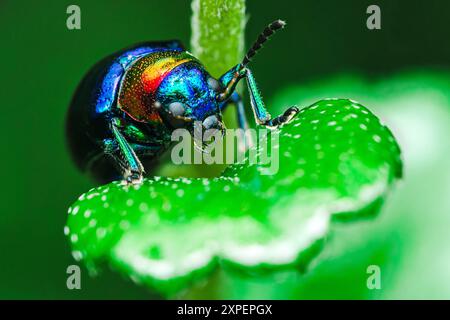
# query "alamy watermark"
(73, 21)
(374, 280)
(215, 146)
(374, 20)
(73, 281)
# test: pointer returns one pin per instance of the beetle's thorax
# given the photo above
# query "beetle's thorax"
(189, 84)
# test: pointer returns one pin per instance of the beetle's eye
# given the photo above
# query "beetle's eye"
(177, 108)
(214, 84)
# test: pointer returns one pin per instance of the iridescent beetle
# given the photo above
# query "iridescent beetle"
(127, 106)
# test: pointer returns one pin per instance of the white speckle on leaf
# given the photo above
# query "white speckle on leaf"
(332, 123)
(92, 195)
(124, 224)
(101, 233)
(87, 213)
(143, 207)
(77, 255)
(74, 238)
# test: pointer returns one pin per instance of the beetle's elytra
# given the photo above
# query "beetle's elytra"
(126, 107)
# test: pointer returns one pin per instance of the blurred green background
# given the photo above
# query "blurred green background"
(400, 72)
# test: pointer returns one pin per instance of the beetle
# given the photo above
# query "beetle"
(126, 107)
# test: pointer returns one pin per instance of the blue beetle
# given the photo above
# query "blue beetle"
(126, 107)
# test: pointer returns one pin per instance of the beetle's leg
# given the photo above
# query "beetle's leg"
(229, 82)
(132, 168)
(262, 117)
(284, 118)
(256, 101)
(111, 148)
(241, 117)
(230, 79)
(245, 140)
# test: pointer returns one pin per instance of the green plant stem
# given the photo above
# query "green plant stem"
(218, 33)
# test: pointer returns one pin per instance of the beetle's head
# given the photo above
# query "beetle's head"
(188, 98)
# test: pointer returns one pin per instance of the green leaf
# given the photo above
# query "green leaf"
(405, 240)
(335, 158)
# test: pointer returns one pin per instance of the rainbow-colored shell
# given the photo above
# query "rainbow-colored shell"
(131, 85)
(139, 85)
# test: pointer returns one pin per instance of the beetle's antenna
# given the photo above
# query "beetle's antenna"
(262, 38)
